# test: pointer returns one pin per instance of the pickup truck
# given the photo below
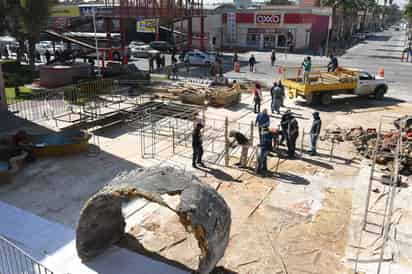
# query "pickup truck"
(324, 85)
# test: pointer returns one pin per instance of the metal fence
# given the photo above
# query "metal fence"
(13, 260)
(38, 105)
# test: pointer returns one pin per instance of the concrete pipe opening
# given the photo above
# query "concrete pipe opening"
(201, 210)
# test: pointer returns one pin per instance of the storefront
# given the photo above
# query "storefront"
(264, 29)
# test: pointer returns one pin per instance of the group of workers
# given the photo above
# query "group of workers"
(269, 139)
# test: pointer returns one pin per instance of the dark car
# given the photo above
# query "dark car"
(162, 46)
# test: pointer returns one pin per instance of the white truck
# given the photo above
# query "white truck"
(324, 85)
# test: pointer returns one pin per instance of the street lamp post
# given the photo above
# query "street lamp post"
(99, 74)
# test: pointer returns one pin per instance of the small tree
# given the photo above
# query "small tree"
(33, 18)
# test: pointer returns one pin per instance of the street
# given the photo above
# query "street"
(383, 50)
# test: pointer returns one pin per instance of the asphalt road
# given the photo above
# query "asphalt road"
(382, 50)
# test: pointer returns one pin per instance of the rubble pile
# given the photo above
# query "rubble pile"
(365, 140)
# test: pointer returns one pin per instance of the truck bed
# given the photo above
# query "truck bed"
(344, 79)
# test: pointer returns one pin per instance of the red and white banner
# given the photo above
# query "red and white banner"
(268, 19)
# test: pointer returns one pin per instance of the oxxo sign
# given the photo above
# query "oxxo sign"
(268, 18)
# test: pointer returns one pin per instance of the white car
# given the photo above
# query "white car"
(42, 46)
(143, 51)
(134, 44)
(198, 57)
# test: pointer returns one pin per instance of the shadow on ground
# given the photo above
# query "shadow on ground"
(131, 243)
(382, 38)
(354, 104)
(290, 178)
(219, 174)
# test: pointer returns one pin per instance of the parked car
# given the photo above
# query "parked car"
(197, 57)
(136, 44)
(162, 46)
(143, 51)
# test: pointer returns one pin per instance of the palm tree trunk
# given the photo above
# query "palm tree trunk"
(32, 52)
(20, 51)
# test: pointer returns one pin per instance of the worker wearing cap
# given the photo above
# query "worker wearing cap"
(292, 133)
(243, 141)
(314, 132)
(197, 145)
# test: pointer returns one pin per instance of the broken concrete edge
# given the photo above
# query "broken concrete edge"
(201, 210)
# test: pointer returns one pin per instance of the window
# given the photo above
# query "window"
(252, 39)
(365, 76)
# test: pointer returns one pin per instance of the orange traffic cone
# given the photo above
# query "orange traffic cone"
(381, 72)
(237, 67)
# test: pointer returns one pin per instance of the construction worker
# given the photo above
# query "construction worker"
(252, 63)
(314, 132)
(243, 141)
(197, 145)
(236, 86)
(263, 150)
(333, 64)
(292, 134)
(284, 126)
(262, 121)
(276, 94)
(257, 97)
(306, 66)
(282, 93)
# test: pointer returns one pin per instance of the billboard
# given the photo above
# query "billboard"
(146, 25)
(268, 19)
(65, 11)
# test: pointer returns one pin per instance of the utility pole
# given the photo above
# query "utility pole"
(99, 73)
(3, 99)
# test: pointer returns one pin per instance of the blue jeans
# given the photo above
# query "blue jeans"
(313, 142)
(275, 105)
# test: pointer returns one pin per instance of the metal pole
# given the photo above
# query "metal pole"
(252, 127)
(301, 142)
(226, 141)
(96, 44)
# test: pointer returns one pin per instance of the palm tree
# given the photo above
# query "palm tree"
(408, 11)
(33, 17)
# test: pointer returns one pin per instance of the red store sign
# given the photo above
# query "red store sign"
(268, 19)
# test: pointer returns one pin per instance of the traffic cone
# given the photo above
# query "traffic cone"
(237, 66)
(381, 72)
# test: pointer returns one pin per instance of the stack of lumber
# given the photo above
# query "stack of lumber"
(193, 96)
(336, 77)
(224, 97)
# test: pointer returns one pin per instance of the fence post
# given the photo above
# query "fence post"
(252, 127)
(226, 141)
(301, 142)
(3, 99)
(173, 139)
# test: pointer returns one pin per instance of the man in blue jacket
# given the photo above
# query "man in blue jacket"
(262, 121)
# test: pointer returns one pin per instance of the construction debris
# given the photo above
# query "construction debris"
(365, 140)
(201, 210)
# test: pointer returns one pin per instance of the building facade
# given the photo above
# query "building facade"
(265, 27)
(276, 28)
